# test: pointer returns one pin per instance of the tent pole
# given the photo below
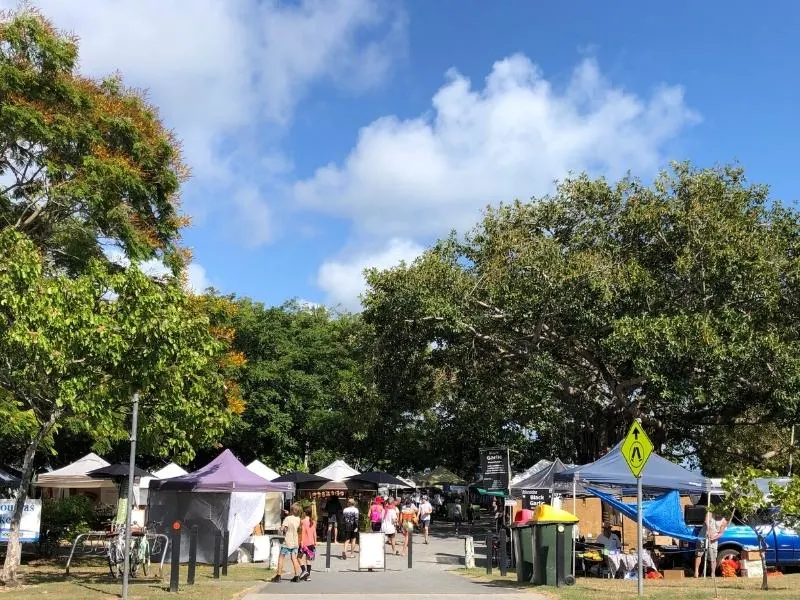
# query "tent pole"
(574, 512)
(131, 467)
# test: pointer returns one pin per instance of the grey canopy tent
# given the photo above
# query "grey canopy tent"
(221, 496)
(546, 478)
(9, 478)
(612, 470)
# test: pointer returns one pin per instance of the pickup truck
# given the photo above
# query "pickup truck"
(783, 543)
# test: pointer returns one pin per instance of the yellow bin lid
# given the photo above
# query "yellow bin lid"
(545, 513)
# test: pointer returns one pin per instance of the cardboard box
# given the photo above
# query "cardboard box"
(663, 540)
(751, 555)
(752, 568)
(674, 574)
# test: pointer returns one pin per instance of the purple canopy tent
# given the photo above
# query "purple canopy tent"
(223, 495)
(223, 474)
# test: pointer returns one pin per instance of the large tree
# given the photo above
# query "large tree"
(75, 349)
(601, 303)
(85, 166)
(307, 397)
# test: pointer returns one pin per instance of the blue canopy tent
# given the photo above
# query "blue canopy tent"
(662, 514)
(659, 474)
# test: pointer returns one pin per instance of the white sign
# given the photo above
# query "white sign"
(31, 520)
(372, 553)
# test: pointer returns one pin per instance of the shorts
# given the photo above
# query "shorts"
(285, 551)
(712, 550)
(350, 532)
(376, 527)
(333, 519)
(425, 521)
(408, 525)
(310, 552)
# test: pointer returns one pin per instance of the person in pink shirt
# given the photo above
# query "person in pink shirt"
(308, 543)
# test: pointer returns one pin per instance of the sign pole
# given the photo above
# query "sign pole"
(636, 449)
(640, 587)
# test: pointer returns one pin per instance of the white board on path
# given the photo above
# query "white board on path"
(372, 553)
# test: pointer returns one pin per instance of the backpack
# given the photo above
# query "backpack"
(375, 514)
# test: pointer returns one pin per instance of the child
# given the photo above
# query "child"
(308, 543)
(290, 528)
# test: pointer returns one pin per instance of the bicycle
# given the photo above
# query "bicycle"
(138, 554)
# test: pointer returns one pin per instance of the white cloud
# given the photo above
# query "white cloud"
(511, 139)
(218, 69)
(251, 224)
(196, 278)
(343, 279)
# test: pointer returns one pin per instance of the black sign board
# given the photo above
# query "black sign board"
(533, 497)
(495, 468)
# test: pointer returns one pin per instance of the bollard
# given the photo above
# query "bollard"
(469, 552)
(502, 555)
(192, 555)
(488, 553)
(328, 552)
(410, 548)
(225, 552)
(217, 547)
(175, 558)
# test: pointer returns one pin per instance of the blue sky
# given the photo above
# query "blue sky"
(325, 136)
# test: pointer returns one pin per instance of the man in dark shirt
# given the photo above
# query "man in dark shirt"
(334, 509)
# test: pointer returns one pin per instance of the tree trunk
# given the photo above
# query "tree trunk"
(762, 544)
(14, 548)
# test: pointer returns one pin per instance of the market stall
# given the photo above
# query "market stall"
(221, 496)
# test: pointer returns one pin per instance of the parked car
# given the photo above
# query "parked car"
(783, 543)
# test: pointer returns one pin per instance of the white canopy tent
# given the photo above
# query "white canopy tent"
(273, 504)
(140, 492)
(262, 470)
(74, 477)
(338, 470)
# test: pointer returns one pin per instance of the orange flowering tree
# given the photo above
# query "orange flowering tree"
(84, 165)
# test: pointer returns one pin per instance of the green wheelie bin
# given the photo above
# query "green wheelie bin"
(552, 546)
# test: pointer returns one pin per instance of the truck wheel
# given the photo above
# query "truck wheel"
(731, 553)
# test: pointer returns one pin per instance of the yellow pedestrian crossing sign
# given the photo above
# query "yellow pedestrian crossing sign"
(636, 449)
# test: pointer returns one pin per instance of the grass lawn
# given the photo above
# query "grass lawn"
(781, 588)
(91, 581)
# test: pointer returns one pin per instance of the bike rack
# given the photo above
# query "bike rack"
(102, 536)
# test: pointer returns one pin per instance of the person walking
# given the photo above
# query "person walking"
(350, 522)
(308, 543)
(458, 514)
(376, 514)
(389, 523)
(334, 510)
(425, 512)
(290, 529)
(408, 517)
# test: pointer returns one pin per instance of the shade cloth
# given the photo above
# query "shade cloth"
(300, 478)
(438, 477)
(223, 474)
(662, 514)
(382, 478)
(659, 473)
(117, 471)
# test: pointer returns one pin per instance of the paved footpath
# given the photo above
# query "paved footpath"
(429, 577)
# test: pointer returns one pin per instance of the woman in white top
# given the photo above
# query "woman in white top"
(389, 525)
